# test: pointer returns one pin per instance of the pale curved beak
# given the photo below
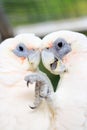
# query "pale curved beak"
(60, 67)
(52, 63)
(47, 59)
(34, 59)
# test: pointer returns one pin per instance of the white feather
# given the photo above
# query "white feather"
(71, 95)
(15, 96)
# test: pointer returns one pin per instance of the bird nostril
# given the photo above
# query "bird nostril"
(31, 63)
(66, 70)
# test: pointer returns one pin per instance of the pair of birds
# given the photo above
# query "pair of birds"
(62, 52)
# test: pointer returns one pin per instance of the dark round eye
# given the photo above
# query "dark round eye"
(21, 48)
(47, 48)
(33, 49)
(60, 44)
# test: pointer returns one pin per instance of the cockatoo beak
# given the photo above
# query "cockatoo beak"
(53, 63)
(34, 60)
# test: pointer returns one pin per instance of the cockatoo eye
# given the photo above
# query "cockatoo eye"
(61, 48)
(33, 49)
(21, 47)
(47, 48)
(60, 44)
(21, 50)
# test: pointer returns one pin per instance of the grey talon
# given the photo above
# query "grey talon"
(41, 96)
(33, 107)
(28, 83)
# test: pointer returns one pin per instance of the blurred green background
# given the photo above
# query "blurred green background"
(27, 12)
(32, 11)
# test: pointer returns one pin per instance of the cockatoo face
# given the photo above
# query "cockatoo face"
(52, 57)
(56, 48)
(21, 53)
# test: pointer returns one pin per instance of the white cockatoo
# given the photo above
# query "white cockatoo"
(65, 53)
(19, 56)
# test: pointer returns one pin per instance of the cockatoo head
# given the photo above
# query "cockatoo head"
(20, 53)
(58, 47)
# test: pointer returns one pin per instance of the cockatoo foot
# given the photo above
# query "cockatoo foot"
(43, 88)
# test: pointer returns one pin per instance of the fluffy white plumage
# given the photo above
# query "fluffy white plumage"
(15, 97)
(71, 94)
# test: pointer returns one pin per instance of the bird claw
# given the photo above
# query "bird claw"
(41, 96)
(42, 89)
(28, 83)
(33, 107)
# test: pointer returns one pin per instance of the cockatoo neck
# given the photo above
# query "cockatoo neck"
(71, 57)
(73, 82)
(75, 63)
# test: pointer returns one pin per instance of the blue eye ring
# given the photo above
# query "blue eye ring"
(21, 50)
